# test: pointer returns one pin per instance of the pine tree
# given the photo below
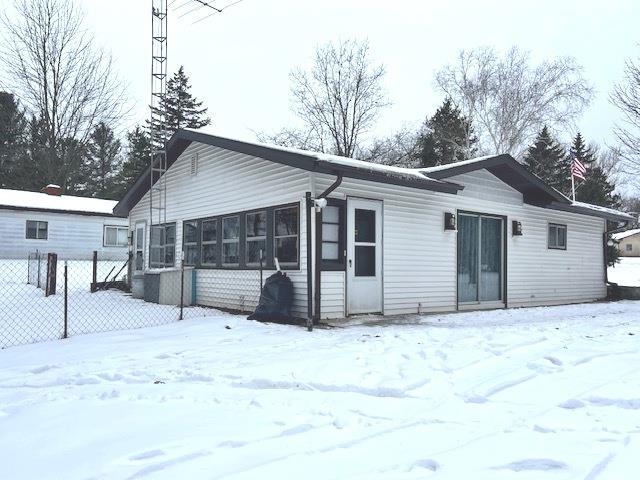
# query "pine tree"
(546, 159)
(13, 129)
(448, 137)
(596, 188)
(102, 162)
(135, 162)
(181, 108)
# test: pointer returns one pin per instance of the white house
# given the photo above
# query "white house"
(484, 233)
(628, 242)
(73, 227)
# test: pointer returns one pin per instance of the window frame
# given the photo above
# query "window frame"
(244, 255)
(163, 246)
(118, 228)
(137, 227)
(628, 247)
(340, 264)
(215, 242)
(231, 240)
(557, 226)
(292, 265)
(38, 223)
(186, 244)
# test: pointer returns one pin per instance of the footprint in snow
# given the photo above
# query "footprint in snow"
(146, 455)
(572, 404)
(554, 360)
(427, 464)
(42, 369)
(529, 464)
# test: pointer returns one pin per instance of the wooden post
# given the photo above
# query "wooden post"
(94, 278)
(52, 271)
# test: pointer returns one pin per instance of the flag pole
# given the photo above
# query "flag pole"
(573, 187)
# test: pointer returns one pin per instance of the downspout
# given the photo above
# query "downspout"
(318, 244)
(309, 204)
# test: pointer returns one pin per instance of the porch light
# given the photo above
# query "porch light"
(516, 228)
(449, 221)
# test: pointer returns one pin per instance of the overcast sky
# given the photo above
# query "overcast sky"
(239, 61)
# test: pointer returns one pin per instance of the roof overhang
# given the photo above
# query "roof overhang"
(308, 161)
(605, 213)
(511, 172)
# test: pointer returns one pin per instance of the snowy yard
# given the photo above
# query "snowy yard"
(517, 394)
(626, 273)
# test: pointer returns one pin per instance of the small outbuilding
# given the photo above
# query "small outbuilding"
(628, 242)
(360, 238)
(71, 226)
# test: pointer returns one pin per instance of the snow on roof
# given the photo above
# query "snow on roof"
(628, 233)
(44, 201)
(597, 208)
(448, 166)
(416, 173)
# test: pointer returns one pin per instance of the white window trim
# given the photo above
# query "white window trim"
(118, 228)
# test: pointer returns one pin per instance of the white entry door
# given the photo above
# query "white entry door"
(364, 256)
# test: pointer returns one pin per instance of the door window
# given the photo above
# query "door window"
(365, 243)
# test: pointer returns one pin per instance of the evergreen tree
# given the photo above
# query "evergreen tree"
(448, 137)
(596, 188)
(102, 162)
(546, 159)
(13, 128)
(136, 160)
(181, 108)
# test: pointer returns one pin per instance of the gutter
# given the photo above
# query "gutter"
(318, 244)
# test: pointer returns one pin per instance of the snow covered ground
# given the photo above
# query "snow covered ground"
(516, 394)
(626, 273)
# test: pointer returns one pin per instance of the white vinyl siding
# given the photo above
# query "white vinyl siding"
(71, 236)
(230, 182)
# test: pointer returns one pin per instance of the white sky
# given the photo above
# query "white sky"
(239, 61)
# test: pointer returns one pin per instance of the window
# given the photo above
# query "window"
(628, 247)
(209, 242)
(190, 242)
(115, 236)
(37, 230)
(163, 246)
(557, 236)
(286, 235)
(256, 231)
(139, 259)
(231, 240)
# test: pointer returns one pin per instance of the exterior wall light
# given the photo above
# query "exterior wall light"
(516, 228)
(449, 221)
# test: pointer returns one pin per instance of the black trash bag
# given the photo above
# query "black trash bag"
(275, 300)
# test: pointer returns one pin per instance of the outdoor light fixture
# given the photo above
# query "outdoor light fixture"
(516, 228)
(449, 221)
(319, 204)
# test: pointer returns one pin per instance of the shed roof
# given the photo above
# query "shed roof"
(504, 166)
(626, 234)
(24, 200)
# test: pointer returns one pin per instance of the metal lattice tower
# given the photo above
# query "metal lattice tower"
(158, 187)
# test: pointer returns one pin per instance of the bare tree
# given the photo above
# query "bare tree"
(509, 100)
(61, 77)
(399, 149)
(337, 100)
(626, 96)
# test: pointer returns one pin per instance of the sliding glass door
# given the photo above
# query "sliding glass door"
(480, 258)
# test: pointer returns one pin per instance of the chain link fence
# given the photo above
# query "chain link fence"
(39, 302)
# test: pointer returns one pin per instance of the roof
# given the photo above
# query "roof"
(24, 200)
(628, 233)
(505, 167)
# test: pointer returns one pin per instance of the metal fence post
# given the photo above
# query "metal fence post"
(38, 255)
(66, 309)
(28, 267)
(94, 278)
(181, 287)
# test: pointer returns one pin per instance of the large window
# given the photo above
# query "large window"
(163, 246)
(209, 247)
(256, 244)
(190, 242)
(37, 230)
(115, 236)
(557, 236)
(231, 240)
(286, 235)
(235, 240)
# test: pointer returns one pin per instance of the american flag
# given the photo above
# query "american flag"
(578, 169)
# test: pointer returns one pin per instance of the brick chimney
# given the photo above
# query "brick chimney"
(52, 189)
